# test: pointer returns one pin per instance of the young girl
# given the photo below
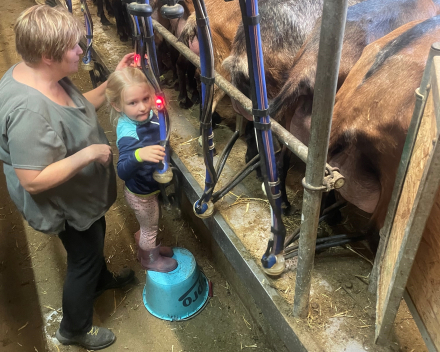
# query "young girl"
(131, 97)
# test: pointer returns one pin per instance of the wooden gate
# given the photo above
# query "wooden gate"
(411, 255)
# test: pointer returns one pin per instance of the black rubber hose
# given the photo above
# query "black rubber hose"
(324, 245)
(326, 212)
(240, 176)
(207, 103)
(225, 153)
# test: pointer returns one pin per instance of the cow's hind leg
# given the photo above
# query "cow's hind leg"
(184, 101)
(109, 8)
(283, 163)
(101, 14)
(192, 83)
(122, 27)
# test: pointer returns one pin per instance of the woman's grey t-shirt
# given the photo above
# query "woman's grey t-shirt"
(36, 132)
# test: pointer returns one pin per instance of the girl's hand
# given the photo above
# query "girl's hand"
(127, 60)
(152, 153)
(101, 153)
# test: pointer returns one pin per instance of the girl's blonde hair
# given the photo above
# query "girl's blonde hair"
(44, 31)
(117, 82)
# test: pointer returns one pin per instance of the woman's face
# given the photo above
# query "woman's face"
(70, 61)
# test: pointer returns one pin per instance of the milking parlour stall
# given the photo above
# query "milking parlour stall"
(330, 247)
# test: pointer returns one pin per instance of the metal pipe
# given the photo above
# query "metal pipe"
(292, 143)
(330, 45)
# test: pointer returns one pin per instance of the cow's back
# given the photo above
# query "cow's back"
(366, 22)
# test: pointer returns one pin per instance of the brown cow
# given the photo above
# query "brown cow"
(366, 22)
(171, 57)
(284, 27)
(372, 114)
(224, 18)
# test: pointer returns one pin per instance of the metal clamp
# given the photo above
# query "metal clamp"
(332, 180)
(276, 196)
(273, 184)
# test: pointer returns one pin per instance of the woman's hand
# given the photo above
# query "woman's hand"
(100, 153)
(97, 95)
(127, 60)
(152, 153)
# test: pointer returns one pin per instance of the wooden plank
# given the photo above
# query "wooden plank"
(424, 281)
(419, 189)
(419, 322)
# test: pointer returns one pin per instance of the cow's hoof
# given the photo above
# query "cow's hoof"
(195, 98)
(105, 21)
(286, 208)
(123, 38)
(167, 85)
(185, 103)
(216, 119)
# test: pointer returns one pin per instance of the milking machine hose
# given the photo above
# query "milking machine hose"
(326, 242)
(69, 5)
(225, 153)
(250, 17)
(89, 33)
(145, 45)
(326, 213)
(240, 176)
(207, 78)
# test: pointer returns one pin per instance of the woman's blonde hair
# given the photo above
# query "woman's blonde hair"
(117, 82)
(44, 31)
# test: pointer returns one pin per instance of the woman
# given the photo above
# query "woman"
(58, 162)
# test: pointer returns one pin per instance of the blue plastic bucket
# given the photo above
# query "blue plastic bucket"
(179, 294)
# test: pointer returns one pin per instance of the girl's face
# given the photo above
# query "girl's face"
(137, 101)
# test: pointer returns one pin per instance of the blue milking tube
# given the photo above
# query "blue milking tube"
(69, 5)
(87, 59)
(272, 260)
(143, 32)
(163, 170)
(204, 206)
